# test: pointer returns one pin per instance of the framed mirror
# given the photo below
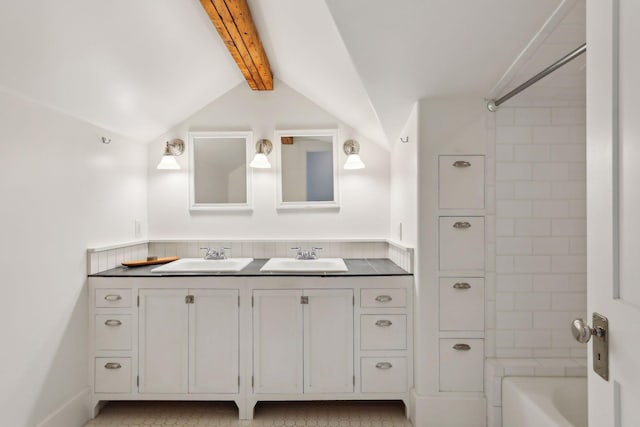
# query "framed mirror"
(307, 168)
(219, 176)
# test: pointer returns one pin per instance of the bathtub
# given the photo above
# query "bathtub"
(544, 402)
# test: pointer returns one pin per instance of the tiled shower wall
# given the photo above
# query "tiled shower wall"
(540, 230)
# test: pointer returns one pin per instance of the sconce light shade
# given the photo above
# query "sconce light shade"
(174, 148)
(352, 150)
(260, 161)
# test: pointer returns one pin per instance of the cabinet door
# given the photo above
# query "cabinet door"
(213, 341)
(163, 335)
(277, 341)
(328, 341)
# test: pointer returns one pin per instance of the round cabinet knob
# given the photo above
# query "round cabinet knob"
(583, 332)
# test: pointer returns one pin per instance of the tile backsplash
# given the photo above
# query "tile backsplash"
(100, 259)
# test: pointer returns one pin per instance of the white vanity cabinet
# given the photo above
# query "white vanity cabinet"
(303, 341)
(188, 341)
(251, 338)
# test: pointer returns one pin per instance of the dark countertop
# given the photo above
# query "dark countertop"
(357, 267)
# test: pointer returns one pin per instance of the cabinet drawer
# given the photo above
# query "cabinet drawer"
(383, 298)
(113, 375)
(383, 374)
(461, 364)
(113, 332)
(462, 243)
(113, 298)
(461, 182)
(383, 332)
(461, 304)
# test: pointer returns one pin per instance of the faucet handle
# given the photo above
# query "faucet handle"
(315, 249)
(222, 254)
(206, 249)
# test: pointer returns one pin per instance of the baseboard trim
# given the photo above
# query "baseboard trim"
(74, 412)
(445, 410)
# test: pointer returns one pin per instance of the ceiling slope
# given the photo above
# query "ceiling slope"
(411, 49)
(135, 67)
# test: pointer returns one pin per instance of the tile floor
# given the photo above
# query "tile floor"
(224, 414)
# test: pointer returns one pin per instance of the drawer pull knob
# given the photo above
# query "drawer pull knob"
(113, 322)
(383, 298)
(462, 347)
(113, 365)
(384, 323)
(384, 365)
(462, 224)
(113, 297)
(461, 164)
(462, 285)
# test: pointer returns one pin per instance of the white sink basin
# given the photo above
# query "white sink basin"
(305, 265)
(200, 265)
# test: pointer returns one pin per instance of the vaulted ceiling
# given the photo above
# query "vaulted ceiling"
(139, 67)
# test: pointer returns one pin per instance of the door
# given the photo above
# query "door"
(328, 341)
(213, 341)
(613, 204)
(163, 352)
(277, 341)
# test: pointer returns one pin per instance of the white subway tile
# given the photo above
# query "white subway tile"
(515, 352)
(569, 301)
(513, 283)
(514, 320)
(533, 116)
(532, 190)
(550, 134)
(550, 283)
(578, 134)
(550, 245)
(550, 320)
(577, 171)
(521, 371)
(533, 227)
(513, 246)
(550, 371)
(550, 209)
(576, 371)
(505, 339)
(533, 301)
(533, 339)
(505, 227)
(504, 153)
(514, 135)
(569, 264)
(569, 190)
(568, 116)
(532, 264)
(578, 283)
(505, 116)
(514, 208)
(551, 171)
(568, 227)
(562, 338)
(513, 171)
(505, 190)
(532, 153)
(569, 153)
(578, 208)
(504, 264)
(551, 352)
(505, 301)
(579, 352)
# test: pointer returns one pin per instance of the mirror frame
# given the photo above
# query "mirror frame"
(335, 203)
(249, 148)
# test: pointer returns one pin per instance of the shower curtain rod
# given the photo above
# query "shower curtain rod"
(493, 104)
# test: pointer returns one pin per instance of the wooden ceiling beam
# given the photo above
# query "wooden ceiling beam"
(232, 19)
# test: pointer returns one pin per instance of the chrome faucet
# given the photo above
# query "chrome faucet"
(213, 254)
(306, 254)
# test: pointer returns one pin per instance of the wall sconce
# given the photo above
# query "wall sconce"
(260, 161)
(352, 150)
(174, 148)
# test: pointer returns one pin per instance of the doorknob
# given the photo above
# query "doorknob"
(583, 332)
(600, 331)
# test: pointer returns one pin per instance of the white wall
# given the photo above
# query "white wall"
(62, 191)
(364, 199)
(540, 229)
